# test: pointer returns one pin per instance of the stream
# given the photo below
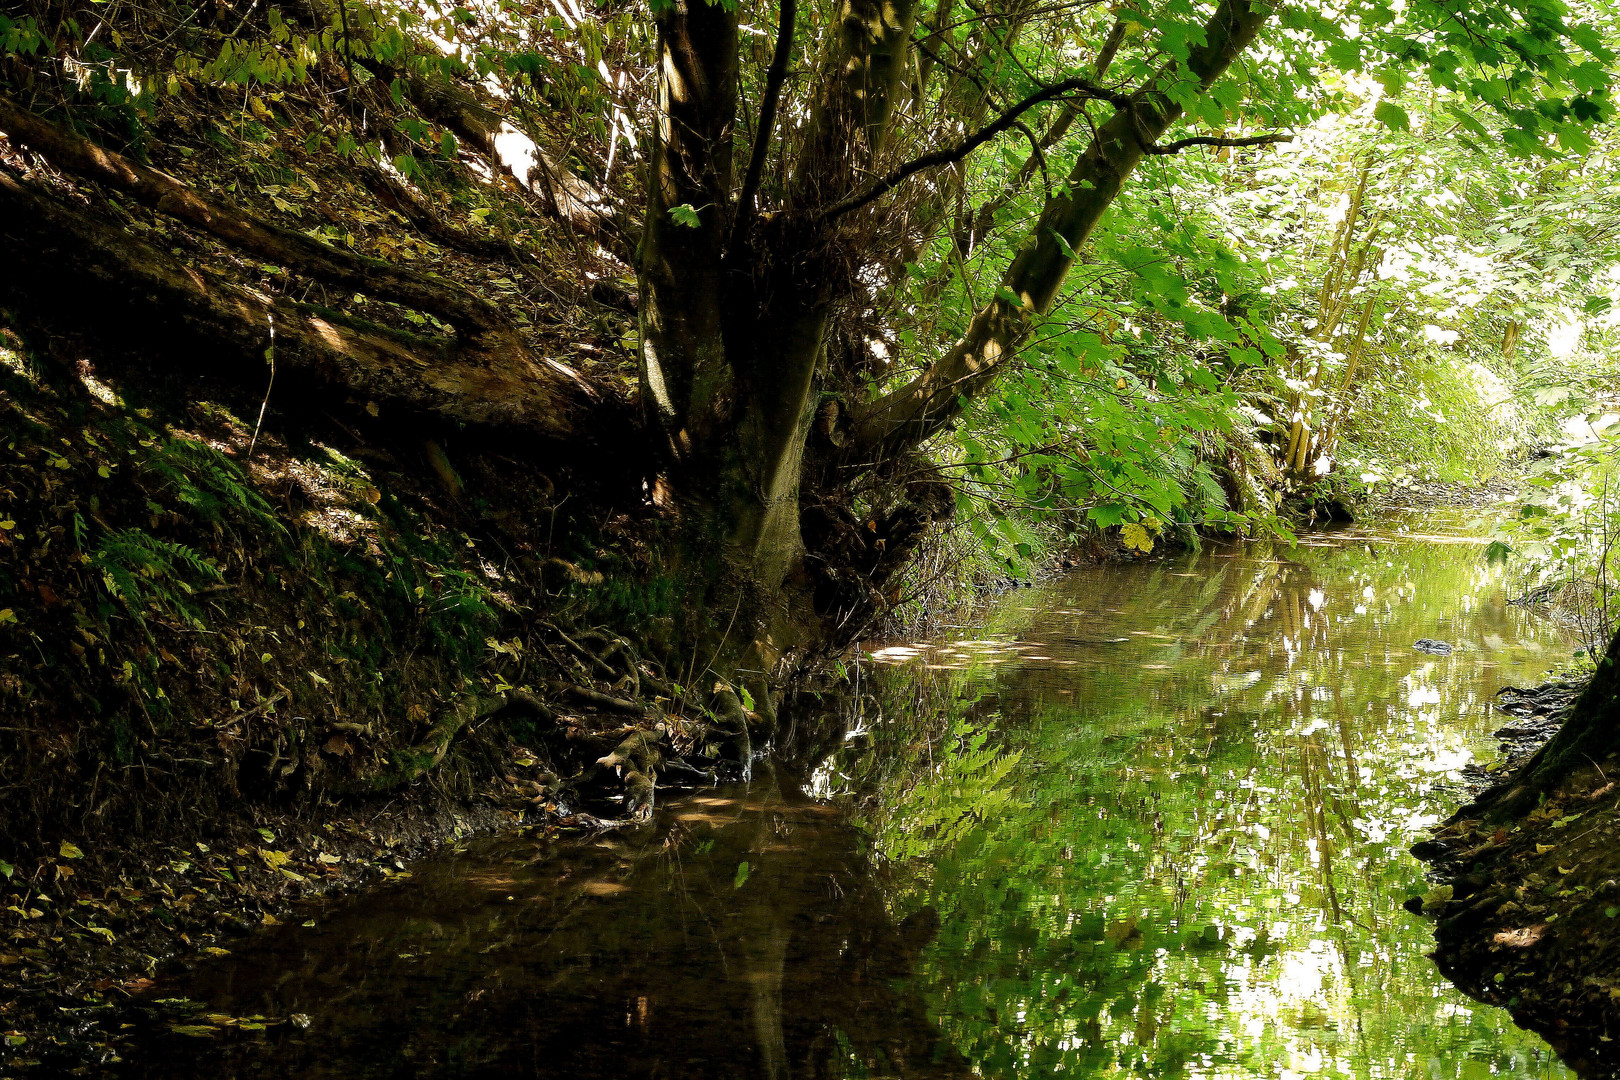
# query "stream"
(1143, 820)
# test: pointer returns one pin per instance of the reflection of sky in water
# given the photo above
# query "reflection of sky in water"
(1228, 753)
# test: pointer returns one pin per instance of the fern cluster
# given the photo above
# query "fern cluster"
(149, 574)
(207, 482)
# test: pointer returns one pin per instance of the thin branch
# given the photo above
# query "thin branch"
(1038, 156)
(1210, 140)
(774, 77)
(952, 154)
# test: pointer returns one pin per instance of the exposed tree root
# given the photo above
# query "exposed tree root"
(422, 758)
(384, 280)
(596, 698)
(56, 251)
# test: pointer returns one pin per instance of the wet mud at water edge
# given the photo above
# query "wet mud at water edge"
(1146, 820)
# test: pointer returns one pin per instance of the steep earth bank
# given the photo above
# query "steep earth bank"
(1527, 906)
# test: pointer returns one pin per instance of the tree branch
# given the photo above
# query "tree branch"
(907, 415)
(1210, 140)
(985, 216)
(570, 199)
(952, 154)
(774, 78)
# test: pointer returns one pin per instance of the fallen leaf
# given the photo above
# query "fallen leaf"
(1437, 898)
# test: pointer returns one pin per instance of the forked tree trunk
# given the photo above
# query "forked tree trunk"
(734, 314)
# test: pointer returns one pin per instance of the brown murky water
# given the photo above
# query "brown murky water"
(1146, 820)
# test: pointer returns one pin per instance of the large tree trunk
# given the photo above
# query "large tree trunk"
(734, 314)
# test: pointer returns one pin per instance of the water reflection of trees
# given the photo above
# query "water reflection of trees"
(1197, 863)
(1172, 846)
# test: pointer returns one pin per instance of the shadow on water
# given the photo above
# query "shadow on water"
(742, 934)
(1144, 821)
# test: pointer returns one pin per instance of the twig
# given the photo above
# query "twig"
(951, 154)
(269, 355)
(255, 711)
(774, 78)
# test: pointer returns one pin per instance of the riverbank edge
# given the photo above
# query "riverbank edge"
(185, 897)
(1527, 908)
(233, 683)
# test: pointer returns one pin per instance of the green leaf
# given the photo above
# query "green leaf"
(1392, 116)
(742, 874)
(685, 215)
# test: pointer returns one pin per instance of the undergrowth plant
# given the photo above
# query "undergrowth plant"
(1566, 534)
(148, 575)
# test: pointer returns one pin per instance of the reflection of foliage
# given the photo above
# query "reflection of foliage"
(1568, 528)
(1197, 866)
(966, 787)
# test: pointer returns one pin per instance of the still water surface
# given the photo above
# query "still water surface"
(1145, 820)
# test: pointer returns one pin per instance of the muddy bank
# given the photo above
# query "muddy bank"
(242, 665)
(1527, 908)
(97, 925)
